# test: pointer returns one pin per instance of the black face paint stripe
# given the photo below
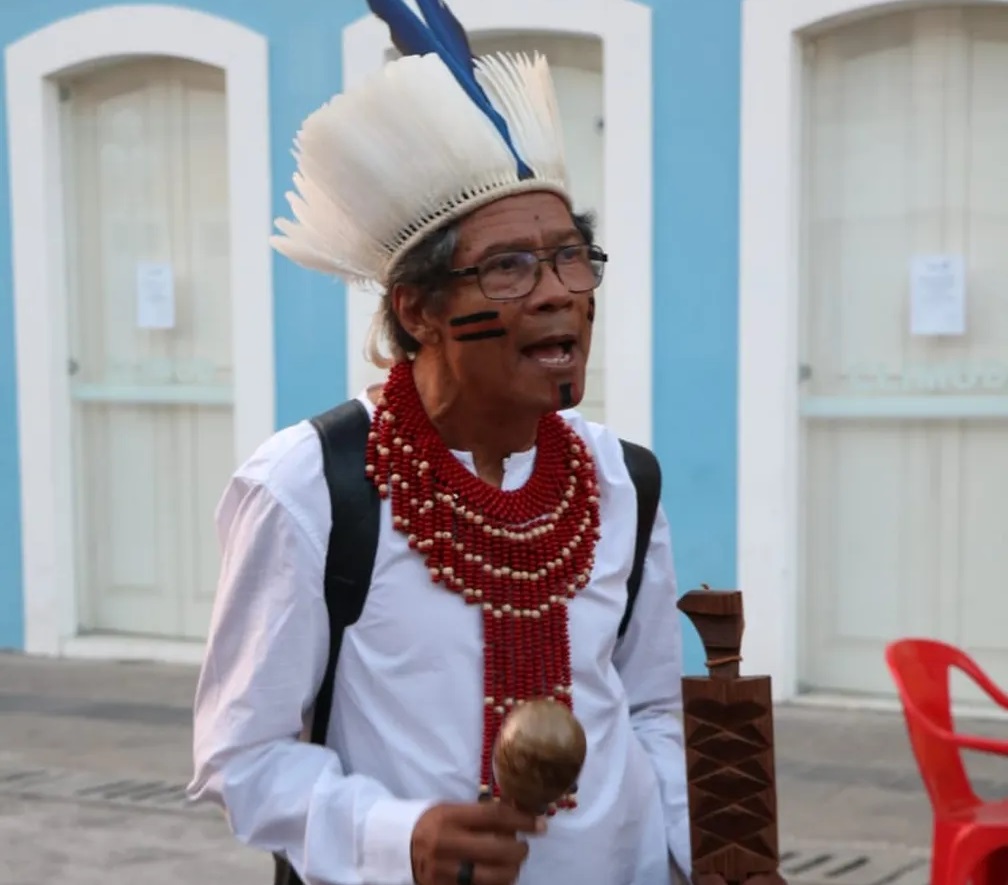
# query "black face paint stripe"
(478, 326)
(470, 319)
(480, 336)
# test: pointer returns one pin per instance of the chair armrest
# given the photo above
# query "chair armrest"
(993, 746)
(971, 669)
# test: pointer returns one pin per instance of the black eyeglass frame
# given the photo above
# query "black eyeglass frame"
(595, 255)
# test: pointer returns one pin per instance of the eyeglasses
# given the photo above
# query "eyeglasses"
(507, 276)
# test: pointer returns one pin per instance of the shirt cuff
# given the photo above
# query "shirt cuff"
(388, 831)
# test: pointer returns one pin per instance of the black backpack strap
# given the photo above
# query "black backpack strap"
(353, 538)
(645, 471)
(353, 541)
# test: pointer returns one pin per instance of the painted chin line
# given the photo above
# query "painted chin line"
(567, 394)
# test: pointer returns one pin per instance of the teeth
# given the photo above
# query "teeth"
(561, 360)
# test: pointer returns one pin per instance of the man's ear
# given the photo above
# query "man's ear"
(409, 305)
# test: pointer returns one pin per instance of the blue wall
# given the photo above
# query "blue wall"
(696, 105)
(697, 50)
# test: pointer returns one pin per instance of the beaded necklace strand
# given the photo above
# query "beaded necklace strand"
(520, 555)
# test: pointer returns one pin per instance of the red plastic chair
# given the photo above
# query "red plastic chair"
(970, 835)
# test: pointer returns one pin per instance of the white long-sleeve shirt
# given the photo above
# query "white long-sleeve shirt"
(406, 724)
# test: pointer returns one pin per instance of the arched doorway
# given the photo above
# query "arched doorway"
(577, 36)
(868, 489)
(96, 244)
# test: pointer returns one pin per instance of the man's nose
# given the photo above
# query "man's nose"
(550, 293)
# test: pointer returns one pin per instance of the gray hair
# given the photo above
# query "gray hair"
(426, 266)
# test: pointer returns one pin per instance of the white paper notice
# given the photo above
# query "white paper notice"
(937, 295)
(155, 293)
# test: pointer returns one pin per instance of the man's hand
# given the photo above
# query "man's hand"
(483, 834)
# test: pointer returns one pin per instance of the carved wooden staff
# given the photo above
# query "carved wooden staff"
(728, 724)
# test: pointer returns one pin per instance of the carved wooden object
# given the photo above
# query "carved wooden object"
(728, 723)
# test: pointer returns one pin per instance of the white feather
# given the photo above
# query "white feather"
(407, 151)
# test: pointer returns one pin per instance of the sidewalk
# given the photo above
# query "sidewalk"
(93, 757)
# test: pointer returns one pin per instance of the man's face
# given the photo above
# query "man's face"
(528, 354)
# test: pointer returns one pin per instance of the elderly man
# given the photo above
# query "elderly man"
(505, 536)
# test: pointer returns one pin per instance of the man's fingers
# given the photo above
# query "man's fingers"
(490, 849)
(483, 873)
(498, 817)
(483, 834)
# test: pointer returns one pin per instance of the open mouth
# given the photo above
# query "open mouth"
(552, 352)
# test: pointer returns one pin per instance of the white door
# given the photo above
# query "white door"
(145, 163)
(905, 490)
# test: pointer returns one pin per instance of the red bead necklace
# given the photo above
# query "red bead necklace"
(521, 555)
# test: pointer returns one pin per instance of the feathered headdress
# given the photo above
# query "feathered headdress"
(429, 138)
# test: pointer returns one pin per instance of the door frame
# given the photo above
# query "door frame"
(34, 65)
(624, 29)
(769, 426)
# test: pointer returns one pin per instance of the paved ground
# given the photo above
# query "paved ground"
(92, 757)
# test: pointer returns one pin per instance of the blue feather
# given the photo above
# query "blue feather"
(448, 29)
(443, 34)
(409, 34)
